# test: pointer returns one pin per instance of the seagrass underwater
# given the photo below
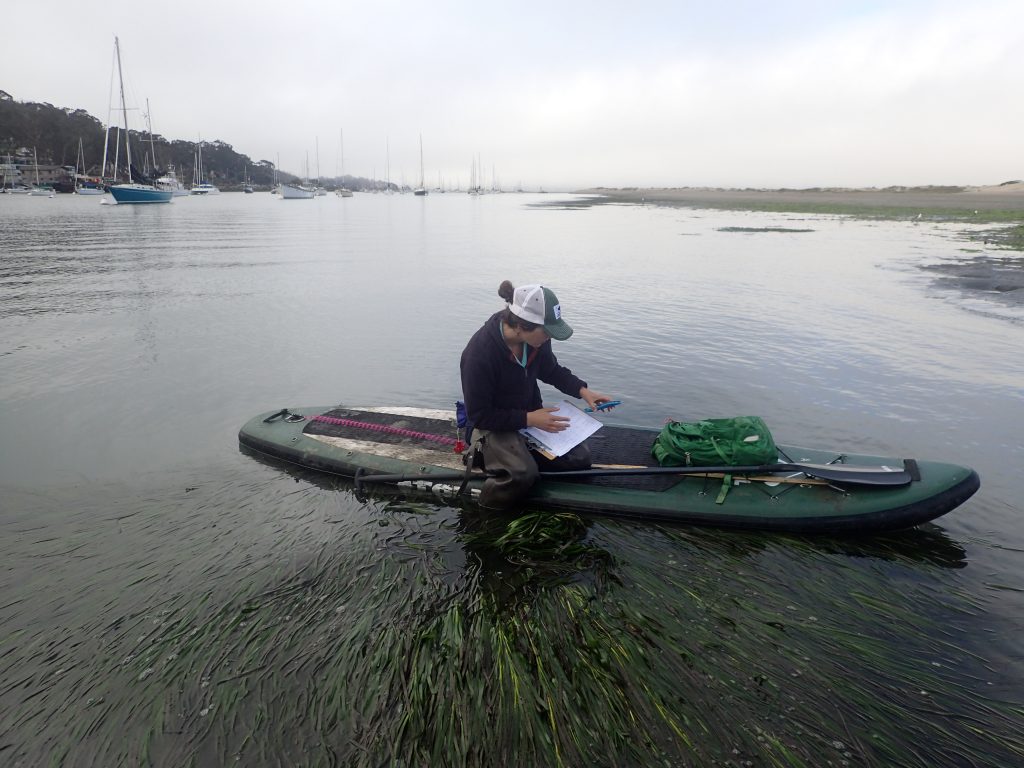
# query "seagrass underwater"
(171, 599)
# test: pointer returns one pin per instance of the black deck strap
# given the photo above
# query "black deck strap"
(274, 416)
(357, 479)
(910, 465)
(469, 471)
(470, 461)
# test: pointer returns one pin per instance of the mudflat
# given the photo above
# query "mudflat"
(962, 200)
(997, 274)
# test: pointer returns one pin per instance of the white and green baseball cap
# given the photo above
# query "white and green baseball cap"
(539, 305)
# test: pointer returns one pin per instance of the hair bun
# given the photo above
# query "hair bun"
(506, 291)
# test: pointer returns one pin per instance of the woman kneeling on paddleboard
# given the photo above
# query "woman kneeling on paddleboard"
(500, 368)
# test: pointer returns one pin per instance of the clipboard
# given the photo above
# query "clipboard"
(554, 444)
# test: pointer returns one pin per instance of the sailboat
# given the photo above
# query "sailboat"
(199, 186)
(10, 186)
(83, 184)
(246, 184)
(342, 191)
(476, 177)
(133, 192)
(317, 189)
(37, 189)
(422, 188)
(295, 191)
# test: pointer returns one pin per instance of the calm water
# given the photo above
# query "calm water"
(168, 600)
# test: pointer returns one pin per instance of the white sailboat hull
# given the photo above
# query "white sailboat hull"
(296, 192)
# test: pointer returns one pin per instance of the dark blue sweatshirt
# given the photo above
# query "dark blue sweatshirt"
(497, 390)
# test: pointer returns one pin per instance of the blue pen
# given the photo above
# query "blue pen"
(604, 406)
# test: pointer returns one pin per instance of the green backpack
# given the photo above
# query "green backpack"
(739, 441)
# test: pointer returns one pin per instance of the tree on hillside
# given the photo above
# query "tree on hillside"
(54, 133)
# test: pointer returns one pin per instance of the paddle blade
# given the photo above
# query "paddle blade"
(845, 473)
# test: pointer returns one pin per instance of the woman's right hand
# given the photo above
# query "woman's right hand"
(546, 420)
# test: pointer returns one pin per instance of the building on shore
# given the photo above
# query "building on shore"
(20, 169)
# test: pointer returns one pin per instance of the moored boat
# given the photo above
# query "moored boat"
(85, 185)
(170, 181)
(204, 188)
(88, 187)
(342, 191)
(807, 491)
(133, 192)
(199, 184)
(296, 192)
(139, 193)
(421, 190)
(39, 190)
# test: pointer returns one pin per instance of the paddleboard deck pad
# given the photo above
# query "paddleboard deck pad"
(420, 443)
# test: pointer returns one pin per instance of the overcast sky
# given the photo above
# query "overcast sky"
(557, 94)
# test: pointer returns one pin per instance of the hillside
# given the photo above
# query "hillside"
(54, 132)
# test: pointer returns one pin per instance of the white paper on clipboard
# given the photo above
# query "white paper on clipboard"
(581, 426)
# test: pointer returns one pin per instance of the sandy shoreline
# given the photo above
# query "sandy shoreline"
(1006, 197)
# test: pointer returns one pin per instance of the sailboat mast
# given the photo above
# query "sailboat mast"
(152, 147)
(124, 109)
(81, 157)
(106, 140)
(106, 131)
(422, 180)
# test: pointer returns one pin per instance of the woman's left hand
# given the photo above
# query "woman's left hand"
(594, 399)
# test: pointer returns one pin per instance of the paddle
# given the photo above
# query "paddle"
(836, 473)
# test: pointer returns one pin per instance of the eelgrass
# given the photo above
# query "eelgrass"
(1007, 230)
(433, 639)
